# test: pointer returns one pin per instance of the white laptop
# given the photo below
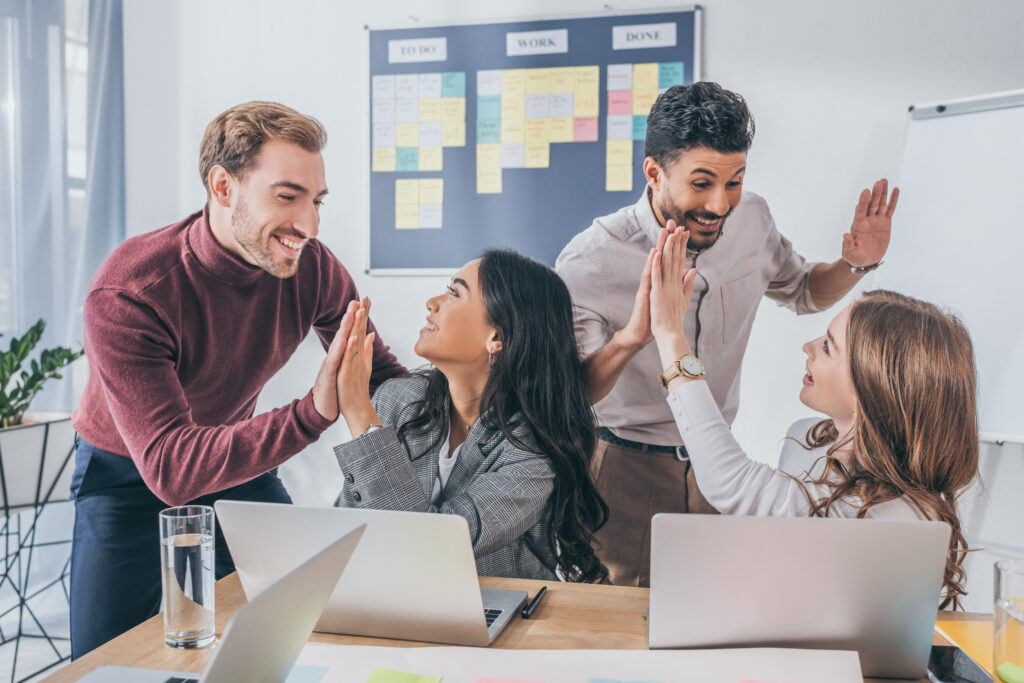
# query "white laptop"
(841, 584)
(414, 577)
(265, 636)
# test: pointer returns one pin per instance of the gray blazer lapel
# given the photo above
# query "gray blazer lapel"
(424, 461)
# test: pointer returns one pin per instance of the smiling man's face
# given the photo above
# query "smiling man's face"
(698, 191)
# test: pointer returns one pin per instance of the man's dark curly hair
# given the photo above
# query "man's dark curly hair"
(701, 114)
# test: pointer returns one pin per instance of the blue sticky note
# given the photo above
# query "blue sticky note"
(488, 132)
(488, 108)
(307, 674)
(640, 128)
(669, 74)
(407, 159)
(453, 84)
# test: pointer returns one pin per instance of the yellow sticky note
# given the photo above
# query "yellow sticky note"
(488, 169)
(513, 83)
(407, 135)
(618, 179)
(585, 98)
(383, 158)
(513, 107)
(560, 130)
(407, 191)
(453, 110)
(537, 131)
(537, 155)
(620, 153)
(513, 130)
(430, 158)
(538, 80)
(453, 134)
(431, 191)
(643, 101)
(407, 216)
(430, 110)
(645, 77)
(562, 79)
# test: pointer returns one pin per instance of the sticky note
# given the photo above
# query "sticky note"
(306, 674)
(383, 111)
(618, 179)
(620, 128)
(407, 159)
(560, 130)
(537, 155)
(537, 105)
(430, 86)
(453, 109)
(587, 78)
(382, 88)
(642, 103)
(537, 131)
(407, 111)
(538, 81)
(407, 216)
(407, 191)
(407, 86)
(620, 153)
(488, 169)
(669, 74)
(562, 79)
(384, 159)
(430, 158)
(383, 675)
(513, 130)
(620, 102)
(560, 105)
(585, 94)
(407, 134)
(430, 134)
(640, 128)
(488, 83)
(453, 84)
(513, 155)
(431, 216)
(384, 135)
(513, 83)
(431, 191)
(620, 77)
(513, 108)
(488, 132)
(584, 105)
(585, 129)
(430, 109)
(645, 77)
(488, 108)
(454, 134)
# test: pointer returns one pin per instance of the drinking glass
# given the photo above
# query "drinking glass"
(1009, 621)
(186, 567)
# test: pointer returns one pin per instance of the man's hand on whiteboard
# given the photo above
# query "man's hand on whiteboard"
(868, 238)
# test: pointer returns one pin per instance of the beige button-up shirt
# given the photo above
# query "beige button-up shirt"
(751, 259)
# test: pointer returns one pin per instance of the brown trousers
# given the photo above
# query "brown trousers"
(638, 485)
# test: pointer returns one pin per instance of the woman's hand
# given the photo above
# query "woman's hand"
(353, 378)
(671, 287)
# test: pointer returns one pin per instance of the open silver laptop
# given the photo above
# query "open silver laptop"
(414, 577)
(842, 584)
(265, 636)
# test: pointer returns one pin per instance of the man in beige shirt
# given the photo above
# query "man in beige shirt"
(697, 140)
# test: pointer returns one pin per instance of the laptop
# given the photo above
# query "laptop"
(265, 636)
(841, 584)
(414, 577)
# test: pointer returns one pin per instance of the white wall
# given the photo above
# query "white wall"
(829, 84)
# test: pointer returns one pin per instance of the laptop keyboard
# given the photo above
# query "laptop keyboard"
(491, 615)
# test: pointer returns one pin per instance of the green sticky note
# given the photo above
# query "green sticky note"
(453, 84)
(639, 128)
(1009, 672)
(408, 159)
(383, 675)
(488, 108)
(669, 74)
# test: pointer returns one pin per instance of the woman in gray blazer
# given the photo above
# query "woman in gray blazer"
(499, 431)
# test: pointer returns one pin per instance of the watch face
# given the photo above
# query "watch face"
(692, 365)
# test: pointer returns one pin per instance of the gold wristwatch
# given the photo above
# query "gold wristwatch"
(687, 366)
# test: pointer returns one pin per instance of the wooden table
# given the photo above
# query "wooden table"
(572, 616)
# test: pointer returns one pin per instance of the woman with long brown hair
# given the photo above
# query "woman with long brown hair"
(896, 378)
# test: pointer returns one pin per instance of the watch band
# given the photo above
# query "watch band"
(860, 270)
(677, 370)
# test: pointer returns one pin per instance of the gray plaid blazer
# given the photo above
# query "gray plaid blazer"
(502, 491)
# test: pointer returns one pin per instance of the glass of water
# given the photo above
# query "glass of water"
(186, 567)
(1009, 621)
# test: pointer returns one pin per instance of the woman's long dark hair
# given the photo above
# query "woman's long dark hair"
(537, 379)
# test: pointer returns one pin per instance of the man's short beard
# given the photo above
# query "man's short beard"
(670, 212)
(247, 235)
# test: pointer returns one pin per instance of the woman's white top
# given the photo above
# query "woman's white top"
(445, 464)
(736, 485)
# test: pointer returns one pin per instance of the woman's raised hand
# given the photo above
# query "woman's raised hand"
(353, 378)
(671, 287)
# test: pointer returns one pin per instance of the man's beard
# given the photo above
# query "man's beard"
(247, 234)
(670, 212)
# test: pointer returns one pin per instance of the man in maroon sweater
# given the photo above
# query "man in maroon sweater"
(183, 328)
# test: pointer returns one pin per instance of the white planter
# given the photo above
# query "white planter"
(36, 461)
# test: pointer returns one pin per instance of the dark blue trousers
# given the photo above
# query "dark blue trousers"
(115, 550)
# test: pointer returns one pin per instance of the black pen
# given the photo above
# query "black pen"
(532, 606)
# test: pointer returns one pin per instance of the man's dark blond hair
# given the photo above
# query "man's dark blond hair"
(234, 139)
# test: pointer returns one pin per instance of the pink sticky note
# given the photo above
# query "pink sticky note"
(584, 129)
(620, 102)
(487, 679)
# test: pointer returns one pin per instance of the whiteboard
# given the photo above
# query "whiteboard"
(958, 238)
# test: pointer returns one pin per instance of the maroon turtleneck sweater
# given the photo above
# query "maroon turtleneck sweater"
(181, 337)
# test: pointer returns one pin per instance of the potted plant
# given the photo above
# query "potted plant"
(34, 454)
